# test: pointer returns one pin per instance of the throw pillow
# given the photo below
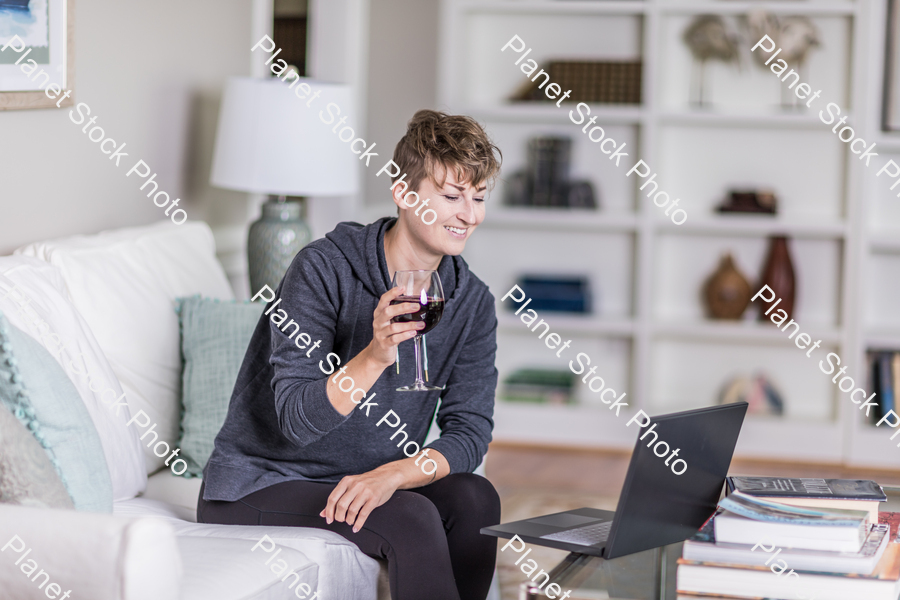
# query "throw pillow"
(124, 283)
(59, 418)
(33, 297)
(27, 476)
(214, 338)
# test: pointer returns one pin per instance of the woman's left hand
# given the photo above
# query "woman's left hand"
(356, 496)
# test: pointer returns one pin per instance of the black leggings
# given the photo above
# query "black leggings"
(429, 535)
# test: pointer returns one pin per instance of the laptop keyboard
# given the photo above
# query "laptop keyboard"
(589, 535)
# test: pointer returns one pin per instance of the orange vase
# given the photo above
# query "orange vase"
(727, 291)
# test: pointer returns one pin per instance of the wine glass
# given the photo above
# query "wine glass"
(423, 288)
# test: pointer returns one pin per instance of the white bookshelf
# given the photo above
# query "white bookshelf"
(649, 334)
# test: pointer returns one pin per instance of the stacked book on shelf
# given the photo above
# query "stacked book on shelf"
(555, 293)
(543, 386)
(596, 81)
(781, 538)
(884, 370)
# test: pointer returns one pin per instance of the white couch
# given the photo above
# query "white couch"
(110, 297)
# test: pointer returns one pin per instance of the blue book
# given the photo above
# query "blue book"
(886, 382)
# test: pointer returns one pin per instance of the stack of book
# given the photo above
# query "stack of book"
(569, 294)
(787, 539)
(540, 386)
(613, 82)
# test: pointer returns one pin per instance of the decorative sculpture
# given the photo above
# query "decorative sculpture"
(708, 38)
(796, 36)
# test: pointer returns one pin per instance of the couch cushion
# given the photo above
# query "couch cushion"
(219, 568)
(179, 492)
(124, 283)
(33, 297)
(344, 571)
(214, 339)
(65, 426)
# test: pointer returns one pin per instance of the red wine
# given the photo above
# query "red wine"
(430, 312)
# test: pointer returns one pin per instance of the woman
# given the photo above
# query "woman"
(296, 449)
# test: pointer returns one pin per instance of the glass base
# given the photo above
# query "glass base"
(418, 387)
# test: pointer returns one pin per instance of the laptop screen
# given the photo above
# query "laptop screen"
(658, 507)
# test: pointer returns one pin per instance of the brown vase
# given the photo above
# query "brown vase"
(778, 274)
(727, 291)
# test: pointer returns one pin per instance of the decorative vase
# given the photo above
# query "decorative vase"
(727, 291)
(274, 240)
(778, 274)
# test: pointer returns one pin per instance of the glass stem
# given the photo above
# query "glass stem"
(425, 354)
(419, 379)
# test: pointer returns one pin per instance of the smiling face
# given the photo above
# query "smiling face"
(459, 206)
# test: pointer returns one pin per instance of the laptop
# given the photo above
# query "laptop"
(656, 507)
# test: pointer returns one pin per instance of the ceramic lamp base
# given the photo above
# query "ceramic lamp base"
(274, 240)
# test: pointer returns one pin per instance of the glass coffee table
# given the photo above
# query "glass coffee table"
(648, 575)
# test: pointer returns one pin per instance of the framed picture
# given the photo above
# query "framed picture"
(36, 54)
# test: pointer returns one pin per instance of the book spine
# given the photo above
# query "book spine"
(887, 387)
(895, 372)
(873, 379)
(541, 164)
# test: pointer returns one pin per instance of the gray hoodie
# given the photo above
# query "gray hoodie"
(280, 424)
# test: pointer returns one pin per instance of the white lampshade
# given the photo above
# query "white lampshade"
(270, 142)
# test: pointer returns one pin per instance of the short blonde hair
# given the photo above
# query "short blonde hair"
(436, 142)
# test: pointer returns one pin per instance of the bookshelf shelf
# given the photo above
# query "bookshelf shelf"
(555, 7)
(571, 324)
(559, 219)
(725, 119)
(542, 423)
(872, 446)
(883, 242)
(890, 144)
(617, 7)
(791, 439)
(754, 225)
(886, 339)
(649, 272)
(819, 8)
(551, 114)
(744, 331)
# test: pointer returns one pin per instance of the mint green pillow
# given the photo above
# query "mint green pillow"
(37, 390)
(214, 338)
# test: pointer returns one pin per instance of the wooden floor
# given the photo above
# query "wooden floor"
(516, 468)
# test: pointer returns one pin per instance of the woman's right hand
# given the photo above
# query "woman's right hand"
(387, 335)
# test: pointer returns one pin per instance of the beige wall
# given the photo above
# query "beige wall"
(403, 55)
(152, 72)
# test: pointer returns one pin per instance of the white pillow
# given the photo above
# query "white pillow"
(33, 298)
(124, 282)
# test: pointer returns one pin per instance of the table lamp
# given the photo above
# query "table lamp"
(271, 140)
